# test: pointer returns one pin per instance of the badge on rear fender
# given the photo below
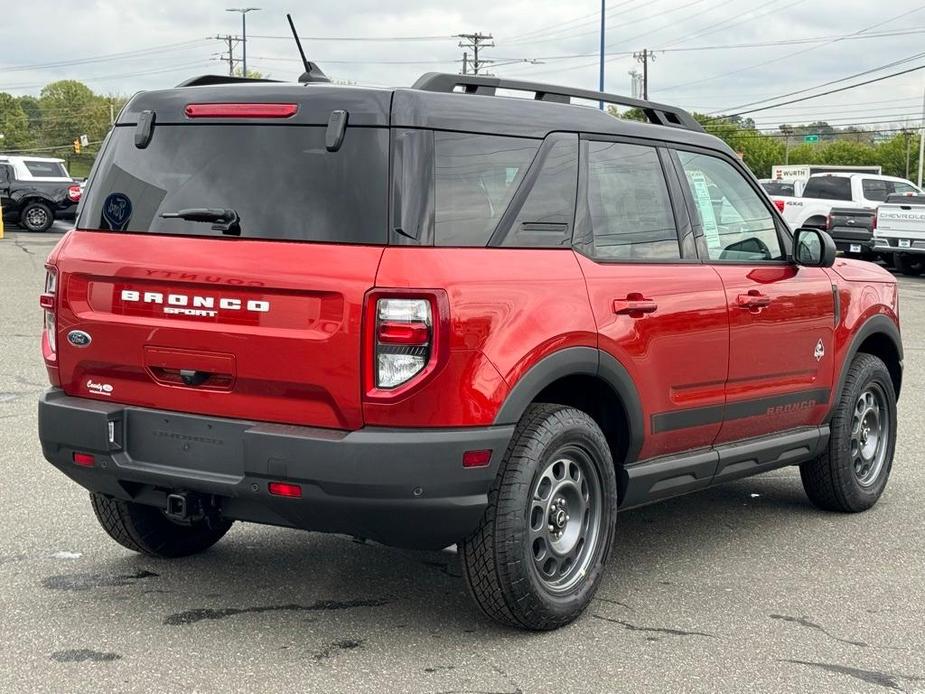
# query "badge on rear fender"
(79, 338)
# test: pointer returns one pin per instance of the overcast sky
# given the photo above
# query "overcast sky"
(46, 40)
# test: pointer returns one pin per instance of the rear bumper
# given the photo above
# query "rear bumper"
(845, 237)
(398, 486)
(890, 244)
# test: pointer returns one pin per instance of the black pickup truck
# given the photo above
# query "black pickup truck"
(853, 230)
(34, 203)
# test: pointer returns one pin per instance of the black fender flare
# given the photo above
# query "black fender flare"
(875, 324)
(578, 361)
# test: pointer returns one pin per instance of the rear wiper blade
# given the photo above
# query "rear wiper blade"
(226, 221)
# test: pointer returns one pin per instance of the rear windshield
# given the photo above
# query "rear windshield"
(828, 188)
(778, 188)
(45, 169)
(280, 180)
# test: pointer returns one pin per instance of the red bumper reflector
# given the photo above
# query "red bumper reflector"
(284, 489)
(47, 301)
(476, 458)
(85, 459)
(241, 110)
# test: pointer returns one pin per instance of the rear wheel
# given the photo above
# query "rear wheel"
(36, 216)
(852, 473)
(537, 558)
(145, 529)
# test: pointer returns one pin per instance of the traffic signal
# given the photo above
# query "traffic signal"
(76, 144)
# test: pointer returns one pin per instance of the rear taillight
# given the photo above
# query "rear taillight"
(405, 337)
(73, 193)
(404, 331)
(828, 223)
(47, 302)
(873, 224)
(779, 204)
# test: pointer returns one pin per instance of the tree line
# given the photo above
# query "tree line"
(48, 124)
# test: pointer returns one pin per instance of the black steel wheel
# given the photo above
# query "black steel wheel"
(853, 471)
(539, 553)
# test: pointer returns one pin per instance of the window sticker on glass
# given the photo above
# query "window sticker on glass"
(705, 207)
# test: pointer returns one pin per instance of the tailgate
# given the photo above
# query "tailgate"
(907, 221)
(252, 329)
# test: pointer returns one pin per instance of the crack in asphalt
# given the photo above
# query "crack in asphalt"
(193, 616)
(655, 630)
(805, 622)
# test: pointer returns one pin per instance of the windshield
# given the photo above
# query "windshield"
(281, 181)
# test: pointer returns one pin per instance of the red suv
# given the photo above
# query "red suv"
(439, 315)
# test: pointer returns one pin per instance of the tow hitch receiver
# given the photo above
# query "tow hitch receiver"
(177, 507)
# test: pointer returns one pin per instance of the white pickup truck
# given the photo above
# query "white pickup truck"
(900, 232)
(845, 190)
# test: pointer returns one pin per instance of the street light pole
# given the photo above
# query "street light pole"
(243, 11)
(600, 82)
(922, 139)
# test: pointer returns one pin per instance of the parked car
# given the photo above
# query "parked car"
(900, 233)
(846, 190)
(439, 315)
(35, 191)
(852, 229)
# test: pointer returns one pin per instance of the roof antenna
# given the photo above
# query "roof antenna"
(312, 72)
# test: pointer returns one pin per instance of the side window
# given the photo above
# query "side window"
(476, 177)
(545, 218)
(5, 173)
(736, 223)
(904, 188)
(875, 189)
(828, 188)
(628, 206)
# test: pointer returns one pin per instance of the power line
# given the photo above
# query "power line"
(893, 63)
(106, 57)
(832, 91)
(288, 37)
(794, 54)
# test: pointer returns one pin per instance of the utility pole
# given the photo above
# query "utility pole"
(465, 62)
(644, 56)
(243, 11)
(922, 139)
(230, 41)
(600, 81)
(475, 42)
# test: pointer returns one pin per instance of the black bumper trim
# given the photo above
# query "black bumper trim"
(404, 487)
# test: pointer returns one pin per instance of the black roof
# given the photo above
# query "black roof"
(430, 104)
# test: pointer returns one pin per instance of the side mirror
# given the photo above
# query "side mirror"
(813, 248)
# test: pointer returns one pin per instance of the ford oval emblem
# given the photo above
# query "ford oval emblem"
(79, 338)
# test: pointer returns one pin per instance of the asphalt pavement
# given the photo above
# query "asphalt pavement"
(744, 587)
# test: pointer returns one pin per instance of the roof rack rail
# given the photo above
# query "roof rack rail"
(205, 80)
(657, 114)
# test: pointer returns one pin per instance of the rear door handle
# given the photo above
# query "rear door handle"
(634, 305)
(754, 299)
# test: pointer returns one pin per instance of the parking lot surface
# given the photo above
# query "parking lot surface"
(745, 587)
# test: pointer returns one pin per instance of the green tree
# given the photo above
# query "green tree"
(71, 109)
(14, 125)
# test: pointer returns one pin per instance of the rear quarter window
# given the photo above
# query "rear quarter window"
(45, 169)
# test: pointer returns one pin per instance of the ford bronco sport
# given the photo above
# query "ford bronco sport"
(441, 315)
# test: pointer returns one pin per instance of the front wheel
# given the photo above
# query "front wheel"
(36, 216)
(852, 473)
(539, 553)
